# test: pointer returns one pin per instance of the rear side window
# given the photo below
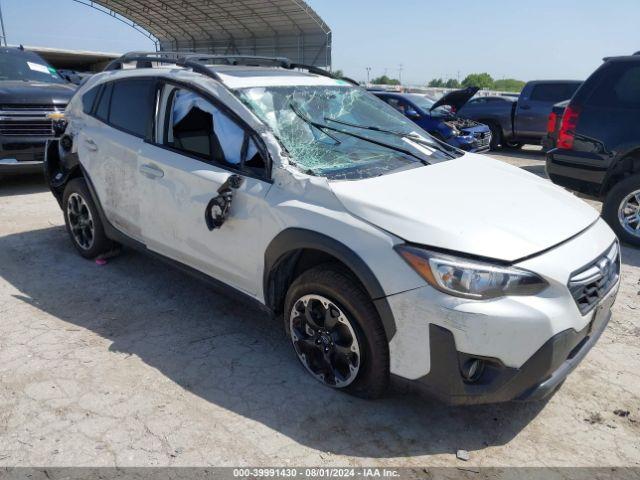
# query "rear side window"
(132, 105)
(88, 99)
(553, 92)
(102, 110)
(619, 87)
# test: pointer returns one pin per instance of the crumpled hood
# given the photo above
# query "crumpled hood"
(474, 204)
(456, 99)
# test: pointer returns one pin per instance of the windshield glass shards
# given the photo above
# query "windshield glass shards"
(342, 132)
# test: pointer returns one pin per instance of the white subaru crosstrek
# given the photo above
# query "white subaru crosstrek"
(387, 252)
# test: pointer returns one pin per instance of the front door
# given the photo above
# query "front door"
(197, 149)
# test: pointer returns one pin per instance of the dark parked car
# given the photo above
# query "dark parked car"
(524, 121)
(553, 125)
(598, 146)
(32, 101)
(439, 118)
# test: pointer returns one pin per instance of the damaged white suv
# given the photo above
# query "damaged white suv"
(386, 252)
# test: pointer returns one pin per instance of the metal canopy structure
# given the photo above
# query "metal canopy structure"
(283, 28)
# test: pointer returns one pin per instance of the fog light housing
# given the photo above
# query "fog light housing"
(472, 370)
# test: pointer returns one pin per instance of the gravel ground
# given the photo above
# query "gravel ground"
(136, 364)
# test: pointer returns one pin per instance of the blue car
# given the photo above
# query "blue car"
(439, 119)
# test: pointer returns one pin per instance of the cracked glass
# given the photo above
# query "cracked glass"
(342, 132)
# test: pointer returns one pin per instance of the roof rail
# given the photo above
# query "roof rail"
(205, 63)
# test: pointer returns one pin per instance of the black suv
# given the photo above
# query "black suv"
(32, 101)
(598, 145)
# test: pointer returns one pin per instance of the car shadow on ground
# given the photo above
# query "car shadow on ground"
(234, 356)
(22, 185)
(528, 153)
(538, 170)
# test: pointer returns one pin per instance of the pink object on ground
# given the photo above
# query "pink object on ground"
(101, 261)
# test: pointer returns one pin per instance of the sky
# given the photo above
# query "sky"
(541, 39)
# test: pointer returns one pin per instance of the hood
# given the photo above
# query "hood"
(474, 205)
(456, 99)
(35, 93)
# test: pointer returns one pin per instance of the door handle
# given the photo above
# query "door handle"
(91, 145)
(152, 171)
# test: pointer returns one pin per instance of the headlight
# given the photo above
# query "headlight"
(469, 278)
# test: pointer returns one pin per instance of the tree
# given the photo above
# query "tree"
(436, 83)
(384, 80)
(509, 85)
(480, 80)
(452, 83)
(338, 73)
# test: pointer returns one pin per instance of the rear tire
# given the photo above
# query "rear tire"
(349, 349)
(623, 202)
(512, 145)
(83, 220)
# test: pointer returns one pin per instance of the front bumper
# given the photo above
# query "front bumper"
(527, 344)
(476, 142)
(21, 154)
(539, 377)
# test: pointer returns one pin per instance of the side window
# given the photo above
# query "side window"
(620, 88)
(102, 110)
(196, 126)
(88, 99)
(398, 104)
(553, 92)
(132, 102)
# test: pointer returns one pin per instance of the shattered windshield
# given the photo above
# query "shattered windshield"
(342, 132)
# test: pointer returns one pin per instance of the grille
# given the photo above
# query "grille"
(482, 138)
(591, 283)
(27, 120)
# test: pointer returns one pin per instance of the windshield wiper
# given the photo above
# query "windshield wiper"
(322, 127)
(410, 136)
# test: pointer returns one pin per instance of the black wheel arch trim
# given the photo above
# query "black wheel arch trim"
(293, 240)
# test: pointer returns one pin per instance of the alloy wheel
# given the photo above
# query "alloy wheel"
(629, 213)
(325, 340)
(80, 221)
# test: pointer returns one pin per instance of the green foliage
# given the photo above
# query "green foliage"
(436, 83)
(338, 73)
(508, 85)
(480, 80)
(452, 83)
(384, 80)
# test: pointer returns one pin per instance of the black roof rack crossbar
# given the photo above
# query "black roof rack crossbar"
(202, 62)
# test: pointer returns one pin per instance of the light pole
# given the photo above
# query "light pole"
(368, 75)
(400, 68)
(2, 33)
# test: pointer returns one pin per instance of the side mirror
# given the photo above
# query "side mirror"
(218, 208)
(412, 114)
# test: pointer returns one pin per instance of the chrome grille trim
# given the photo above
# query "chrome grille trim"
(591, 283)
(28, 120)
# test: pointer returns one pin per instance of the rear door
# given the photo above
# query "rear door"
(109, 146)
(533, 108)
(198, 146)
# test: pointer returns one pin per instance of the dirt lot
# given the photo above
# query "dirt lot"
(134, 363)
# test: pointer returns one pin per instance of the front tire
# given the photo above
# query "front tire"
(621, 209)
(336, 332)
(83, 221)
(496, 136)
